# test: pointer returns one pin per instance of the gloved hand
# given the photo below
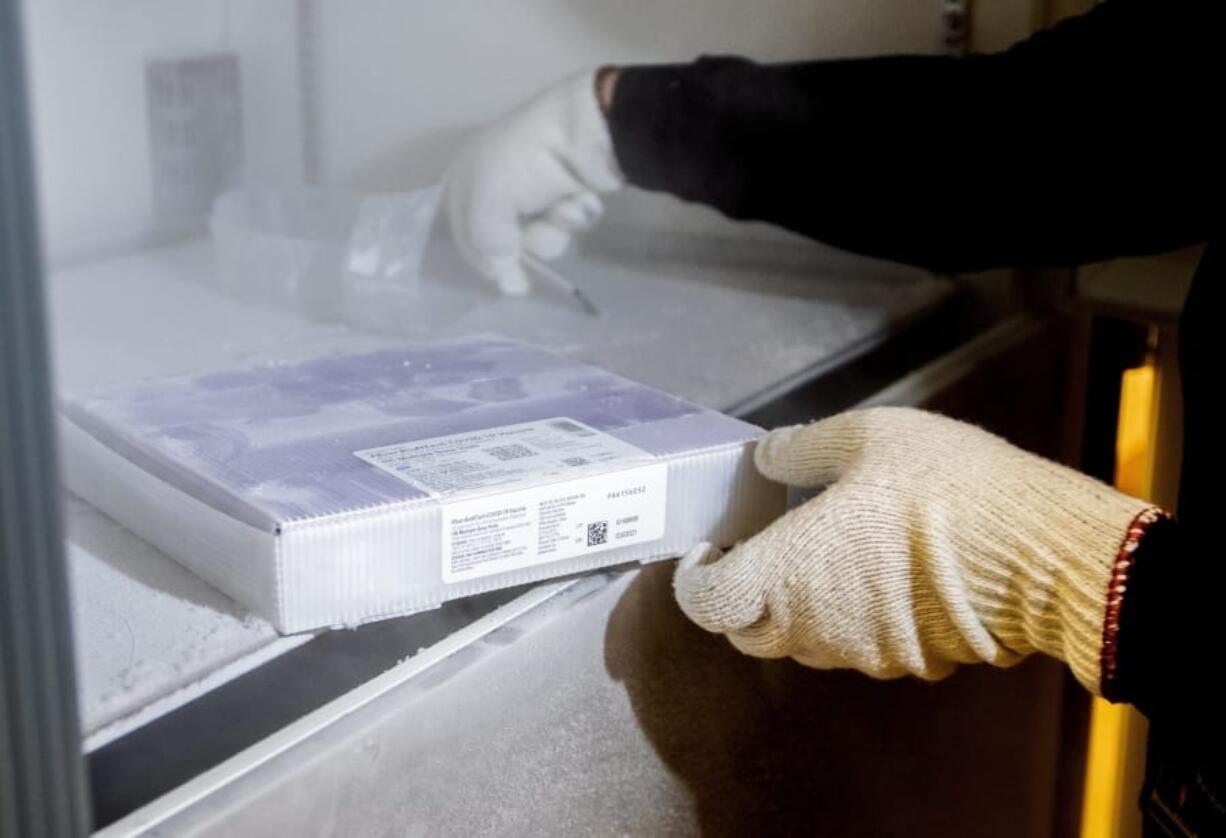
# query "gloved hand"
(530, 180)
(935, 544)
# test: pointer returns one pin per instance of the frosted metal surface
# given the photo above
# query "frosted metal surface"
(610, 713)
(148, 630)
(714, 335)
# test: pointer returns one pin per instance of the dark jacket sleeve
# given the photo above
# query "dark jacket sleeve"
(1100, 137)
(1168, 653)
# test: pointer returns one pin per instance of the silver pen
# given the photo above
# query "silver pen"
(551, 276)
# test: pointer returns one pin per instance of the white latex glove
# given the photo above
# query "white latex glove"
(530, 180)
(935, 544)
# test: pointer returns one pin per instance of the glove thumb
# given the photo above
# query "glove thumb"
(812, 455)
(721, 593)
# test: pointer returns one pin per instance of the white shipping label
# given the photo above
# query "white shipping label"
(509, 457)
(513, 530)
(536, 492)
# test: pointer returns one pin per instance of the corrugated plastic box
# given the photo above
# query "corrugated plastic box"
(350, 488)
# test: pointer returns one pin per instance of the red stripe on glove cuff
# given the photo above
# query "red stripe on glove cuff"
(1124, 560)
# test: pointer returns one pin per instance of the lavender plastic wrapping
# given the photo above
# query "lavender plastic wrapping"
(272, 448)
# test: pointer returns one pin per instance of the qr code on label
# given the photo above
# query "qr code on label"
(513, 451)
(597, 533)
(569, 427)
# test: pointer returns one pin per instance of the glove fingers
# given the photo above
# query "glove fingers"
(548, 236)
(720, 593)
(819, 659)
(490, 232)
(576, 214)
(487, 234)
(812, 455)
(511, 278)
(545, 241)
(543, 162)
(766, 638)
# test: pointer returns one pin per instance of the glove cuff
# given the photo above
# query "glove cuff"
(1116, 590)
(1089, 638)
(589, 147)
(1050, 580)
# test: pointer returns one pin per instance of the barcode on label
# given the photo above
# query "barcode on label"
(571, 428)
(513, 451)
(597, 533)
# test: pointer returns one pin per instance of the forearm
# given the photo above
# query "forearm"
(1089, 141)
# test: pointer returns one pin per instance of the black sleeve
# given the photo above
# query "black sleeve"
(1168, 657)
(1100, 137)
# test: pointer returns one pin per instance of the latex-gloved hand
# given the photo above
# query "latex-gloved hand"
(530, 180)
(935, 544)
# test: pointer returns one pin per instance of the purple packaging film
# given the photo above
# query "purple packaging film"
(275, 445)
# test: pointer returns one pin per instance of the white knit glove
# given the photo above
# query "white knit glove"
(935, 544)
(530, 180)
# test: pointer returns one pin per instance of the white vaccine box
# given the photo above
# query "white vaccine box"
(350, 488)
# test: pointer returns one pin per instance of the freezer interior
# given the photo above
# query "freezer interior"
(227, 185)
